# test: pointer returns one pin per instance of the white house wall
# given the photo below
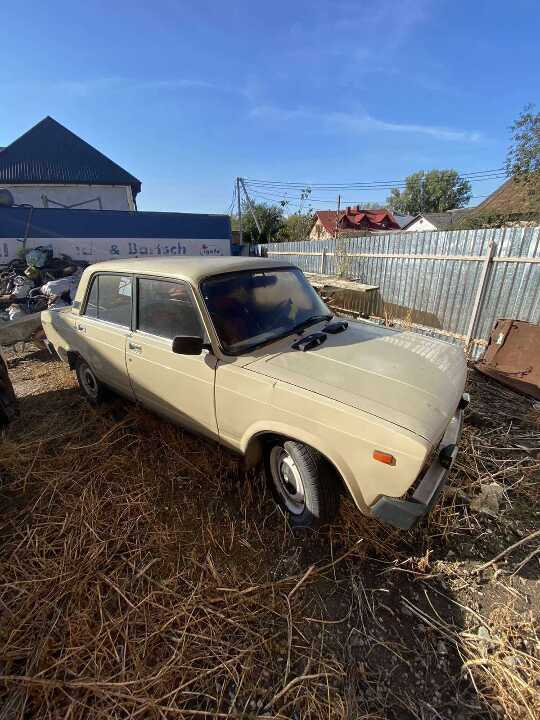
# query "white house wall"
(94, 250)
(112, 197)
(318, 231)
(420, 225)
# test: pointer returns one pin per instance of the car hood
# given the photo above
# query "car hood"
(402, 377)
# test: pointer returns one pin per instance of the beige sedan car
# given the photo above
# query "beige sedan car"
(244, 351)
(8, 401)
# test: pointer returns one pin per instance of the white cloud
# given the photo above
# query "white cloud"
(177, 84)
(358, 33)
(93, 86)
(360, 123)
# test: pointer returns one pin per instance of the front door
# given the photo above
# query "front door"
(179, 386)
(103, 328)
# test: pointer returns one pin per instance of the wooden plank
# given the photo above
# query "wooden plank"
(412, 256)
(408, 256)
(518, 259)
(331, 281)
(479, 295)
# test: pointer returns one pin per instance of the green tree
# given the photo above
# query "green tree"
(523, 159)
(298, 226)
(270, 217)
(523, 166)
(433, 191)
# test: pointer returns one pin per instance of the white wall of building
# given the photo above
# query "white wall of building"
(94, 250)
(319, 232)
(95, 197)
(420, 225)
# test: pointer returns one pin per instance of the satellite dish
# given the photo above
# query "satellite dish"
(6, 198)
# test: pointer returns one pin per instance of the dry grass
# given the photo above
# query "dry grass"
(132, 588)
(145, 575)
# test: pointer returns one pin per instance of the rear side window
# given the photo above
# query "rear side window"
(110, 299)
(166, 309)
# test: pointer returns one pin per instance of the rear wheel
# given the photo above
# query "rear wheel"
(92, 388)
(303, 482)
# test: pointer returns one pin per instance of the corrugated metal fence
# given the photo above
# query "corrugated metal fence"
(452, 284)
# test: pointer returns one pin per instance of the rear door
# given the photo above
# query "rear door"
(103, 327)
(179, 386)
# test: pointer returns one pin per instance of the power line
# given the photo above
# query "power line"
(231, 204)
(366, 187)
(476, 176)
(298, 200)
(472, 173)
(295, 195)
(291, 199)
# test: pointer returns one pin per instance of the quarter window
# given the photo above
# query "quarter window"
(166, 309)
(110, 299)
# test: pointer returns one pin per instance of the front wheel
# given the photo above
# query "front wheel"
(92, 388)
(303, 482)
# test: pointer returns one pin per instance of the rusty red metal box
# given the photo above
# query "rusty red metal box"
(513, 356)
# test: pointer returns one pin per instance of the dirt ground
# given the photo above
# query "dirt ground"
(143, 574)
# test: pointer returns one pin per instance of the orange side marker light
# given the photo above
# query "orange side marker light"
(383, 457)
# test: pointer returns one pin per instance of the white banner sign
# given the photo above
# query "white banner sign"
(96, 249)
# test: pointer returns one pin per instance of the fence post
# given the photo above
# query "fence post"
(323, 262)
(479, 295)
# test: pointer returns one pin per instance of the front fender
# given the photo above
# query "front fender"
(315, 441)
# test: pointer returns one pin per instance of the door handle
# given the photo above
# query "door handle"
(135, 348)
(81, 328)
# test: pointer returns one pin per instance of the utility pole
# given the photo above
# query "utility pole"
(250, 205)
(340, 251)
(239, 206)
(337, 216)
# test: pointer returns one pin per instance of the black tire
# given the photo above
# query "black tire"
(93, 390)
(303, 482)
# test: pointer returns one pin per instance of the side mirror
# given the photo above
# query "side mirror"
(187, 345)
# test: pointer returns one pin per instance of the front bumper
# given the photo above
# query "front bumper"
(403, 514)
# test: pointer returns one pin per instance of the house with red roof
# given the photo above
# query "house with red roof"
(351, 221)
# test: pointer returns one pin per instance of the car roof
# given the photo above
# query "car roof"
(192, 269)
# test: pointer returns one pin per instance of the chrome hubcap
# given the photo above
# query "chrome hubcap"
(287, 480)
(89, 382)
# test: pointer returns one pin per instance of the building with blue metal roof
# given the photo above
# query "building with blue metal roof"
(50, 166)
(93, 235)
(73, 199)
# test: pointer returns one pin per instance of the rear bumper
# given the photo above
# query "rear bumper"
(403, 514)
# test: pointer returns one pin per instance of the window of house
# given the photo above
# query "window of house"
(110, 299)
(166, 309)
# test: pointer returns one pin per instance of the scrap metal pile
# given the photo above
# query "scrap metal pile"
(30, 285)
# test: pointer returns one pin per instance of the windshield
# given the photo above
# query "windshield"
(254, 307)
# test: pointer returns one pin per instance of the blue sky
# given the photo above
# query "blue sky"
(187, 95)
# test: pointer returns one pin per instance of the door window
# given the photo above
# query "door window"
(91, 308)
(166, 309)
(110, 299)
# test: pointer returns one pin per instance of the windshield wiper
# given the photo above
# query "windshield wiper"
(298, 329)
(301, 326)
